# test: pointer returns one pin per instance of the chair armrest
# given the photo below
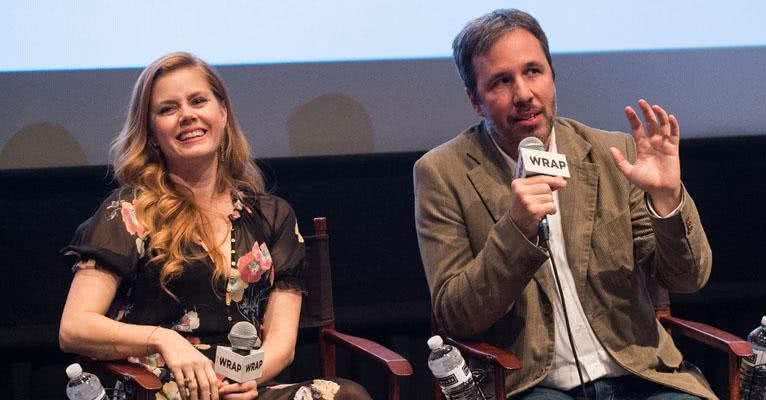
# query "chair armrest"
(487, 353)
(143, 378)
(709, 335)
(396, 364)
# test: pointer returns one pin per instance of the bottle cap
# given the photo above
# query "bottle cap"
(73, 371)
(435, 342)
(763, 321)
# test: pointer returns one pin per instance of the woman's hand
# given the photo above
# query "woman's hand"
(193, 372)
(238, 391)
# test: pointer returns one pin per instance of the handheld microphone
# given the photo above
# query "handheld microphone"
(534, 160)
(243, 361)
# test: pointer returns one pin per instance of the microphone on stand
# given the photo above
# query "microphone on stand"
(243, 361)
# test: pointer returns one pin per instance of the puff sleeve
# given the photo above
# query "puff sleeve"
(112, 239)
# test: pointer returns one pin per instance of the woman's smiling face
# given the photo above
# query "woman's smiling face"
(187, 120)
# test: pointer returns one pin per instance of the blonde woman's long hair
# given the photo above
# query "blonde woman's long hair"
(167, 209)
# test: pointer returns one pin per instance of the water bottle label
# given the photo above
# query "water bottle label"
(455, 377)
(758, 359)
(463, 391)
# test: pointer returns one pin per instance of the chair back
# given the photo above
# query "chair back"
(317, 307)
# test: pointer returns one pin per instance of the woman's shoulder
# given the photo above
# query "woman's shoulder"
(122, 193)
(265, 203)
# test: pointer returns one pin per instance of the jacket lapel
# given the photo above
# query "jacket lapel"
(577, 200)
(490, 177)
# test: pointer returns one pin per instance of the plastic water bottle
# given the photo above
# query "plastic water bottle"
(83, 385)
(450, 370)
(753, 369)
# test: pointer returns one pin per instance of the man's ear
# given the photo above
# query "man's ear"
(473, 97)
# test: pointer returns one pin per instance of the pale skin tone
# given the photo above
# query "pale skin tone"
(182, 101)
(516, 94)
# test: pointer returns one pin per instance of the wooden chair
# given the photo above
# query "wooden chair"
(498, 362)
(316, 313)
(502, 362)
(735, 348)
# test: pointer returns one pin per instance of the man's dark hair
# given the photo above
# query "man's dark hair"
(478, 36)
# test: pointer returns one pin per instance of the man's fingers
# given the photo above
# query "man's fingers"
(544, 209)
(662, 116)
(675, 129)
(543, 184)
(633, 120)
(622, 163)
(650, 117)
(557, 183)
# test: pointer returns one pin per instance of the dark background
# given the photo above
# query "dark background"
(379, 285)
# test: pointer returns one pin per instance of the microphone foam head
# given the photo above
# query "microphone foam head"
(244, 335)
(531, 143)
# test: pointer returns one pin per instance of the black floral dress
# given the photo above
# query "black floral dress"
(267, 253)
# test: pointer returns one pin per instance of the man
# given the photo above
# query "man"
(621, 220)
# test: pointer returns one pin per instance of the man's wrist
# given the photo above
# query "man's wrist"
(665, 206)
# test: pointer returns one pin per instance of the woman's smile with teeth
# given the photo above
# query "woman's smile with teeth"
(191, 134)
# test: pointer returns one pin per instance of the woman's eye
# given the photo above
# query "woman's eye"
(165, 109)
(199, 100)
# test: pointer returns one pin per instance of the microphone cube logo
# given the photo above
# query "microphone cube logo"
(237, 367)
(536, 162)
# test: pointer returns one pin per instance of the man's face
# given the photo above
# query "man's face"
(515, 92)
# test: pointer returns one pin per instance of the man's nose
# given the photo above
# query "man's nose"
(522, 94)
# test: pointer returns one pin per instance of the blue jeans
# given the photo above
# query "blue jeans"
(627, 387)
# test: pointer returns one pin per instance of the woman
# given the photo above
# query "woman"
(187, 246)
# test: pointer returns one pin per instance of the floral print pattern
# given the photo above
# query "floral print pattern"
(319, 389)
(298, 234)
(236, 286)
(255, 263)
(116, 240)
(129, 218)
(188, 323)
(169, 392)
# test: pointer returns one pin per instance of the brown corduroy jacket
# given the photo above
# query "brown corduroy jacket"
(486, 279)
